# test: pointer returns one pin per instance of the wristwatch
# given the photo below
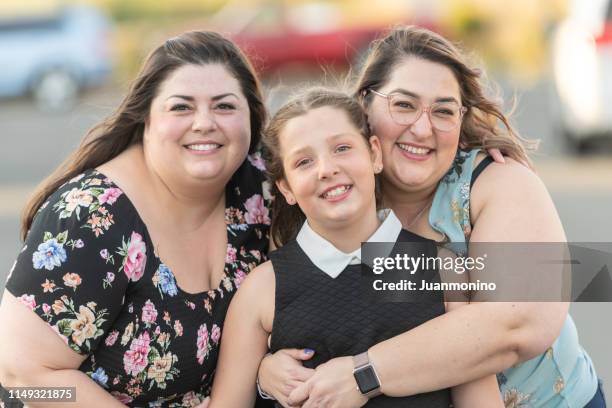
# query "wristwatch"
(368, 382)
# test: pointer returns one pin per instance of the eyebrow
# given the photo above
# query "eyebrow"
(417, 96)
(214, 98)
(305, 148)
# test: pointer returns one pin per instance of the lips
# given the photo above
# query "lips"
(203, 147)
(416, 150)
(336, 191)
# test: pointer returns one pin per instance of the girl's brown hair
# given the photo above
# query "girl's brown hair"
(125, 126)
(481, 123)
(288, 219)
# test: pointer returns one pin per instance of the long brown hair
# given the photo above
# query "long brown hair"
(484, 124)
(125, 126)
(287, 219)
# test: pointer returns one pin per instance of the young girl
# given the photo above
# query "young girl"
(323, 162)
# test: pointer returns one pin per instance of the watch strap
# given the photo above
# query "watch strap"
(361, 360)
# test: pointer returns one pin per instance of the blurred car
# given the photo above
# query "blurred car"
(582, 64)
(53, 57)
(281, 35)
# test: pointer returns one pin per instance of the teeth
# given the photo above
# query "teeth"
(336, 191)
(203, 147)
(414, 150)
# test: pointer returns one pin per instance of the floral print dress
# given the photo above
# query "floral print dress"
(562, 377)
(88, 269)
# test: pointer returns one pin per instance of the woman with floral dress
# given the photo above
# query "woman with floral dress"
(135, 246)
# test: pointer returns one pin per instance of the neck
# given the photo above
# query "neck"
(407, 205)
(186, 206)
(348, 236)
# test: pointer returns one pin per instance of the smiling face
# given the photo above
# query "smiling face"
(329, 168)
(198, 127)
(416, 156)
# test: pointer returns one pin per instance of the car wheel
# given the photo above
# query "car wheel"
(55, 91)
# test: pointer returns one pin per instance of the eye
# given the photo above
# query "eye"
(180, 107)
(343, 148)
(302, 163)
(403, 104)
(226, 106)
(445, 112)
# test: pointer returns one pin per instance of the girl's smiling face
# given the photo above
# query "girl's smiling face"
(329, 167)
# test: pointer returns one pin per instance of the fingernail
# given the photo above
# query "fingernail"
(308, 351)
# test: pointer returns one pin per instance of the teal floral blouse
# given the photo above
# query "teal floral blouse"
(88, 269)
(562, 377)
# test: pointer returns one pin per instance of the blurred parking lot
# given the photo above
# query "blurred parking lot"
(34, 142)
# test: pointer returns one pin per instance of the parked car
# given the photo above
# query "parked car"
(278, 36)
(582, 65)
(53, 57)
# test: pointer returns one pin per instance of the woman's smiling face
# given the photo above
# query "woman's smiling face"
(198, 127)
(416, 156)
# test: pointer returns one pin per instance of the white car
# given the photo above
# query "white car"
(582, 65)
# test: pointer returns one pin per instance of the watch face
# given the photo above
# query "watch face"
(366, 379)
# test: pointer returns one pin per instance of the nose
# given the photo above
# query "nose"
(204, 122)
(422, 127)
(327, 167)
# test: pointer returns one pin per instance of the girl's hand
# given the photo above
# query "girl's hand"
(280, 373)
(332, 385)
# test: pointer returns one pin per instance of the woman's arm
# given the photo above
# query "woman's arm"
(480, 393)
(33, 356)
(509, 204)
(244, 340)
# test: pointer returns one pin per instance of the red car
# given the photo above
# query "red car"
(272, 52)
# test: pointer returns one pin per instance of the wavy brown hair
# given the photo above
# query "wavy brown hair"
(484, 124)
(125, 126)
(288, 219)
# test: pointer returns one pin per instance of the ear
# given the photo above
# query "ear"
(285, 190)
(376, 154)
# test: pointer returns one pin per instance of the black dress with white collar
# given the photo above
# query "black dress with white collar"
(332, 317)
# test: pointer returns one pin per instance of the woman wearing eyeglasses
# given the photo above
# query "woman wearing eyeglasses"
(434, 121)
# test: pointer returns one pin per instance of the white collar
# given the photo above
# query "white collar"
(330, 259)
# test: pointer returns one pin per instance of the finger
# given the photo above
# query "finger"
(299, 354)
(497, 155)
(303, 374)
(311, 403)
(299, 395)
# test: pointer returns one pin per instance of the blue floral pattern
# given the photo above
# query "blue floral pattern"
(88, 269)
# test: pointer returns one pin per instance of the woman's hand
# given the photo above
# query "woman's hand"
(497, 155)
(281, 372)
(332, 385)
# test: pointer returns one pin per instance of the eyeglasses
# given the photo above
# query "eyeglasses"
(406, 110)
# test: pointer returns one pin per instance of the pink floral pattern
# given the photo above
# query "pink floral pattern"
(257, 213)
(99, 285)
(134, 257)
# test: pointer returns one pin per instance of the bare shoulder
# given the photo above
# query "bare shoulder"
(509, 201)
(257, 294)
(261, 278)
(502, 180)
